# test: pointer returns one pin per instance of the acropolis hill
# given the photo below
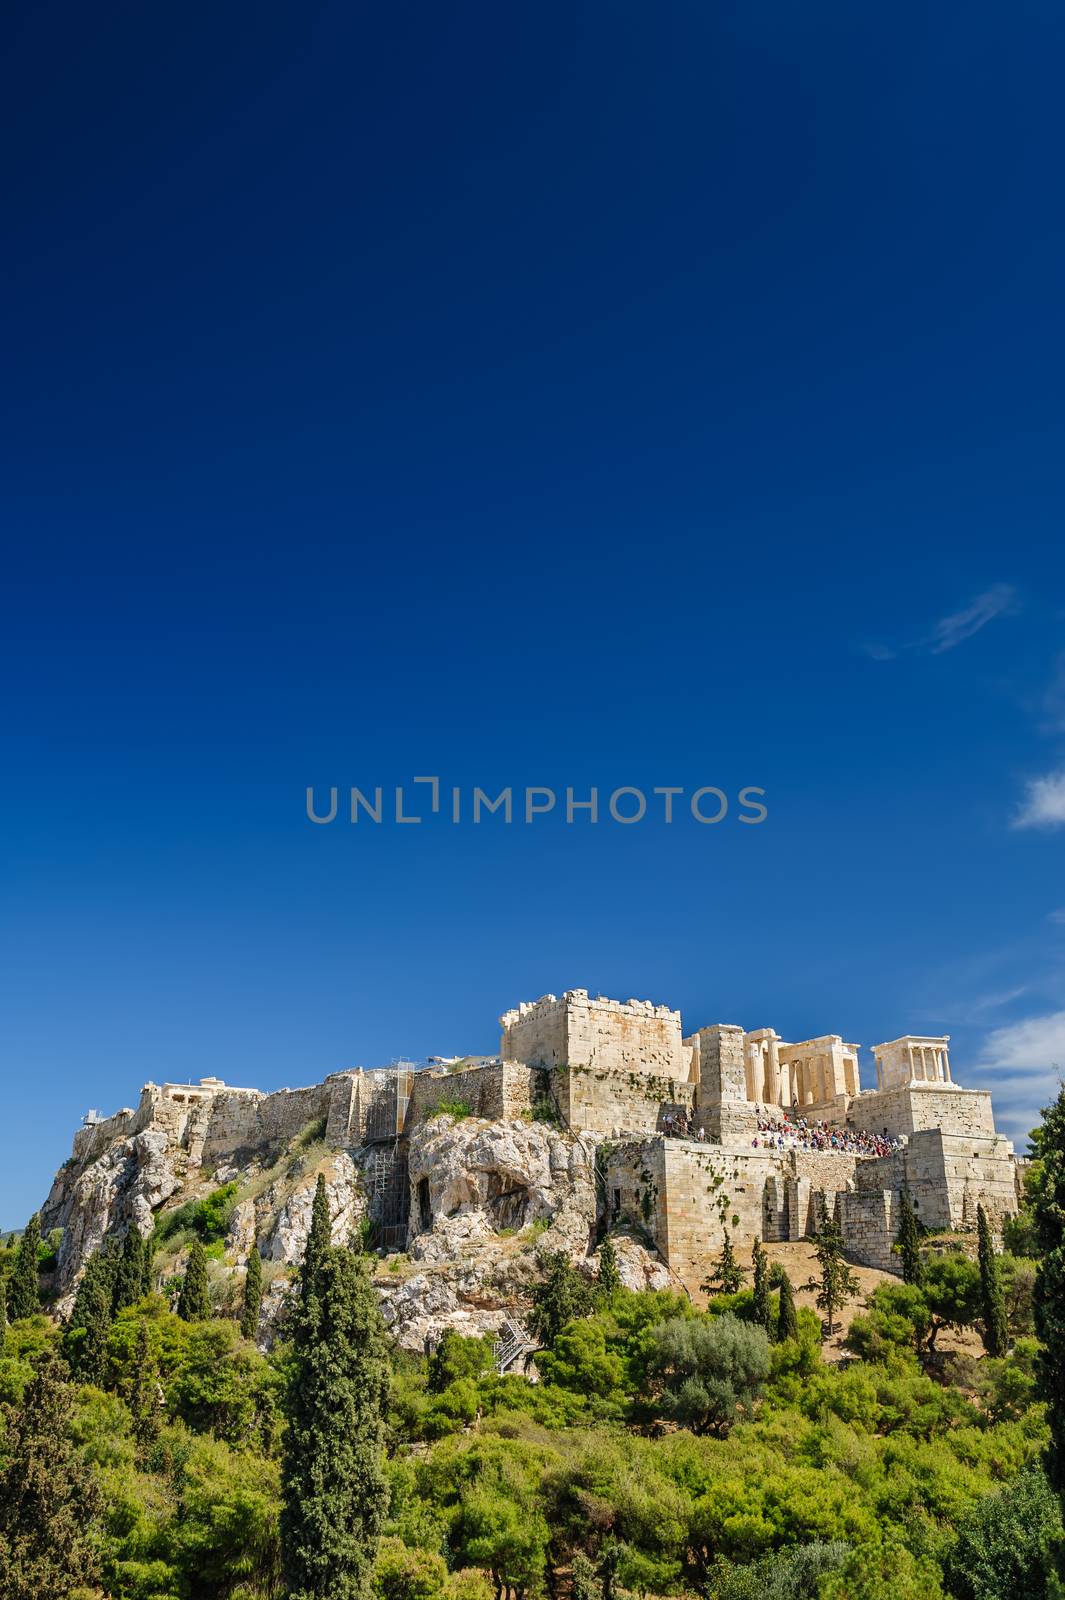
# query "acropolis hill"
(597, 1114)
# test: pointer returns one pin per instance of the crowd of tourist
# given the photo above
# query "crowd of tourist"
(782, 1132)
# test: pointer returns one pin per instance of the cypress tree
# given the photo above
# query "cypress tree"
(253, 1294)
(129, 1271)
(85, 1340)
(993, 1303)
(24, 1290)
(49, 1501)
(334, 1494)
(147, 1253)
(727, 1276)
(3, 1308)
(908, 1242)
(559, 1297)
(609, 1276)
(788, 1317)
(194, 1301)
(143, 1391)
(319, 1238)
(837, 1283)
(1048, 1207)
(763, 1306)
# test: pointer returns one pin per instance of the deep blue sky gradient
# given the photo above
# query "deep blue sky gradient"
(578, 395)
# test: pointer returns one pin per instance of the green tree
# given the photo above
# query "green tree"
(763, 1305)
(704, 1369)
(787, 1316)
(837, 1283)
(458, 1356)
(908, 1241)
(727, 1276)
(951, 1291)
(49, 1501)
(144, 1394)
(1048, 1207)
(253, 1294)
(333, 1485)
(129, 1272)
(24, 1289)
(609, 1276)
(1009, 1545)
(562, 1294)
(194, 1301)
(85, 1339)
(319, 1239)
(992, 1299)
(3, 1309)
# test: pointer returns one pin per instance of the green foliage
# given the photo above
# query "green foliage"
(1048, 1207)
(992, 1300)
(144, 1394)
(459, 1109)
(456, 1357)
(763, 1305)
(951, 1290)
(49, 1501)
(1019, 1233)
(787, 1316)
(706, 1369)
(1009, 1545)
(334, 1489)
(85, 1340)
(209, 1218)
(194, 1301)
(908, 1241)
(837, 1283)
(790, 1574)
(24, 1289)
(128, 1273)
(609, 1276)
(896, 1319)
(727, 1276)
(562, 1294)
(253, 1294)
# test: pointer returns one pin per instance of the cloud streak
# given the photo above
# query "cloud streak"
(1043, 805)
(952, 630)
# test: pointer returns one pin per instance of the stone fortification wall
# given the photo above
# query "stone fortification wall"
(619, 1103)
(500, 1091)
(609, 1035)
(912, 1107)
(686, 1194)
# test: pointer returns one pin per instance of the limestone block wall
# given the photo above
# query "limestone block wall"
(611, 1035)
(598, 1100)
(722, 1106)
(500, 1091)
(911, 1107)
(870, 1222)
(686, 1194)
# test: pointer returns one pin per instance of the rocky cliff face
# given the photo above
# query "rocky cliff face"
(485, 1199)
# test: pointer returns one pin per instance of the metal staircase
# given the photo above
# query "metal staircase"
(512, 1344)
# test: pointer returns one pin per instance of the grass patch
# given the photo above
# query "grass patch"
(452, 1108)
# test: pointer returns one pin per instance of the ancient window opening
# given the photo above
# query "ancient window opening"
(615, 1209)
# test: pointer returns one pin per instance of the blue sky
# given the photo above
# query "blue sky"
(585, 395)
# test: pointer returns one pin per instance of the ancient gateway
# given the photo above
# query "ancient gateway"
(678, 1137)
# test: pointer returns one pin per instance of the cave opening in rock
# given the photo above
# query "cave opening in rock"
(425, 1208)
(508, 1203)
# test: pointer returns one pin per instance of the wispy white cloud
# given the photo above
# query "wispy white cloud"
(1057, 916)
(1032, 1051)
(1043, 805)
(952, 630)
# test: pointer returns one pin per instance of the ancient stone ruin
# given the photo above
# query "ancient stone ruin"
(595, 1114)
